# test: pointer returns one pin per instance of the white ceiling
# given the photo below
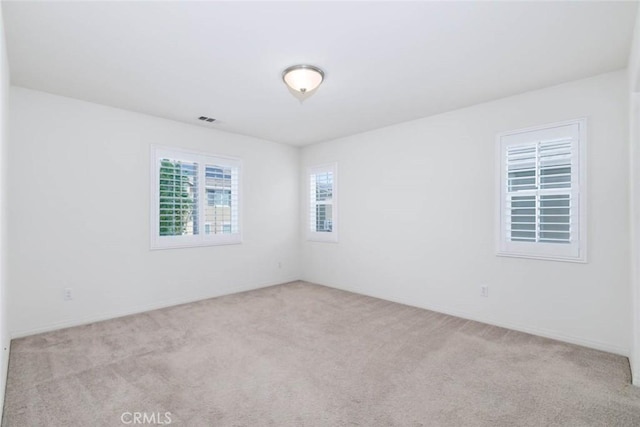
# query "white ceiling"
(385, 62)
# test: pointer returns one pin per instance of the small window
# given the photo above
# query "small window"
(543, 192)
(323, 209)
(195, 199)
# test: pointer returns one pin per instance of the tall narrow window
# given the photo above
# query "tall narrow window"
(543, 192)
(195, 199)
(323, 207)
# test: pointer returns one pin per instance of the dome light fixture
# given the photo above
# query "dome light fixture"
(302, 80)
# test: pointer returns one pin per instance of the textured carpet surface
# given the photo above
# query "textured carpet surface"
(307, 355)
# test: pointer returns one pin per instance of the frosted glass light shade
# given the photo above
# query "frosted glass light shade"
(303, 78)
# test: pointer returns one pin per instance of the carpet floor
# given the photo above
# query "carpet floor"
(306, 355)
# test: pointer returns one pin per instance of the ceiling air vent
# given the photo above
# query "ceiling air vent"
(207, 119)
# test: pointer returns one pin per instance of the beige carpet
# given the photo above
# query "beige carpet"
(307, 355)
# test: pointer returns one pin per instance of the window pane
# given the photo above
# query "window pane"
(321, 201)
(521, 168)
(522, 180)
(555, 218)
(214, 172)
(555, 164)
(222, 197)
(324, 186)
(522, 214)
(324, 218)
(178, 196)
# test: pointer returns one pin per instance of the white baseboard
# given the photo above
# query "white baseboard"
(67, 323)
(542, 332)
(623, 351)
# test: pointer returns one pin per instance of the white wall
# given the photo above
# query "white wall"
(634, 57)
(79, 215)
(4, 125)
(634, 137)
(633, 70)
(417, 209)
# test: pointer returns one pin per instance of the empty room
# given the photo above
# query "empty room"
(307, 213)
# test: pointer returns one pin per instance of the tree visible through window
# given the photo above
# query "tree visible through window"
(178, 197)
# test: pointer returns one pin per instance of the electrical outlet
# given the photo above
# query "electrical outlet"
(484, 291)
(67, 294)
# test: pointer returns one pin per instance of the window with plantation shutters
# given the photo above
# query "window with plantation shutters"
(195, 199)
(323, 207)
(543, 192)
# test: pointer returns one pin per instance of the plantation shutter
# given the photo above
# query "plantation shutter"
(322, 203)
(322, 200)
(540, 193)
(221, 211)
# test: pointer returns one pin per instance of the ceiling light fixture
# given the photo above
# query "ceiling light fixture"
(302, 80)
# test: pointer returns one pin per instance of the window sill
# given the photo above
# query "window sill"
(580, 260)
(161, 245)
(323, 237)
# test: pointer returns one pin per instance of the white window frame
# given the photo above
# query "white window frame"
(576, 251)
(325, 236)
(202, 239)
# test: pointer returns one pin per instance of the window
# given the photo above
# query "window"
(543, 192)
(323, 207)
(195, 199)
